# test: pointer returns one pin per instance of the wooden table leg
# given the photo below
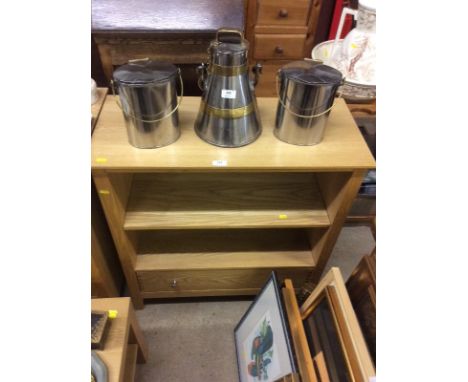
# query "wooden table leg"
(136, 337)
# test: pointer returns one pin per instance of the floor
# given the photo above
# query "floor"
(194, 341)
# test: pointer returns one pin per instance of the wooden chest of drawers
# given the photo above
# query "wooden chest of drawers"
(279, 32)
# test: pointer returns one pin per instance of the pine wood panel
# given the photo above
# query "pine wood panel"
(282, 12)
(224, 249)
(118, 349)
(356, 347)
(200, 293)
(113, 190)
(279, 46)
(106, 272)
(280, 29)
(115, 347)
(166, 201)
(130, 363)
(314, 15)
(338, 191)
(343, 147)
(304, 359)
(209, 281)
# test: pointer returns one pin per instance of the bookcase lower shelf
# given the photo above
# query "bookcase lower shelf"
(186, 263)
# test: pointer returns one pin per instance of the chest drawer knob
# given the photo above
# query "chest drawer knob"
(173, 283)
(279, 50)
(283, 13)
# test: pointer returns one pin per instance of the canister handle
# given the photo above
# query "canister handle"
(152, 120)
(301, 115)
(229, 36)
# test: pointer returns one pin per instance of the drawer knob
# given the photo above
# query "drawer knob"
(173, 283)
(283, 13)
(279, 50)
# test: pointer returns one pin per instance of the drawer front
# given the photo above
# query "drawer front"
(211, 282)
(279, 46)
(266, 86)
(281, 12)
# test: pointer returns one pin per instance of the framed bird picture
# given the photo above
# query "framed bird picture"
(262, 339)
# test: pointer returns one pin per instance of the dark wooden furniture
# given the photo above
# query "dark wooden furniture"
(361, 287)
(279, 31)
(177, 31)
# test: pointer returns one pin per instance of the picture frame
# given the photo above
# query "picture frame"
(336, 345)
(262, 338)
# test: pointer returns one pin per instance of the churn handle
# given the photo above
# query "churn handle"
(229, 35)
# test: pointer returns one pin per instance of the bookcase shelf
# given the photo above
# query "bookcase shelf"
(229, 200)
(183, 226)
(224, 249)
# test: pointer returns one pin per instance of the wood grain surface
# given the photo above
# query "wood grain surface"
(280, 12)
(130, 363)
(355, 346)
(211, 281)
(224, 249)
(158, 16)
(343, 147)
(299, 339)
(124, 344)
(279, 46)
(255, 200)
(115, 346)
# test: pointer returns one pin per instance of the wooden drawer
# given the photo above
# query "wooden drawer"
(281, 12)
(216, 282)
(266, 86)
(279, 46)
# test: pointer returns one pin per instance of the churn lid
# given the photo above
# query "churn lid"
(311, 73)
(143, 72)
(229, 42)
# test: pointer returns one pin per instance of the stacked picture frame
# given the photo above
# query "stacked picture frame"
(320, 341)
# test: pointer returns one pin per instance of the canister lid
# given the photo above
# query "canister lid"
(143, 72)
(311, 73)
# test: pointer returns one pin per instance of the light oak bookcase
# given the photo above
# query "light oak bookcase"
(192, 219)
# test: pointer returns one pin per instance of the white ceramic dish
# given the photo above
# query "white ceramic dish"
(351, 90)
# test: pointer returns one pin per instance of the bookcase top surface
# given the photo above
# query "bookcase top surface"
(343, 148)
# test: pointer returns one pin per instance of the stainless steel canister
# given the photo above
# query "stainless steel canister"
(306, 92)
(148, 98)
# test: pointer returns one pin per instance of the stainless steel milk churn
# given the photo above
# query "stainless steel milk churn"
(228, 115)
